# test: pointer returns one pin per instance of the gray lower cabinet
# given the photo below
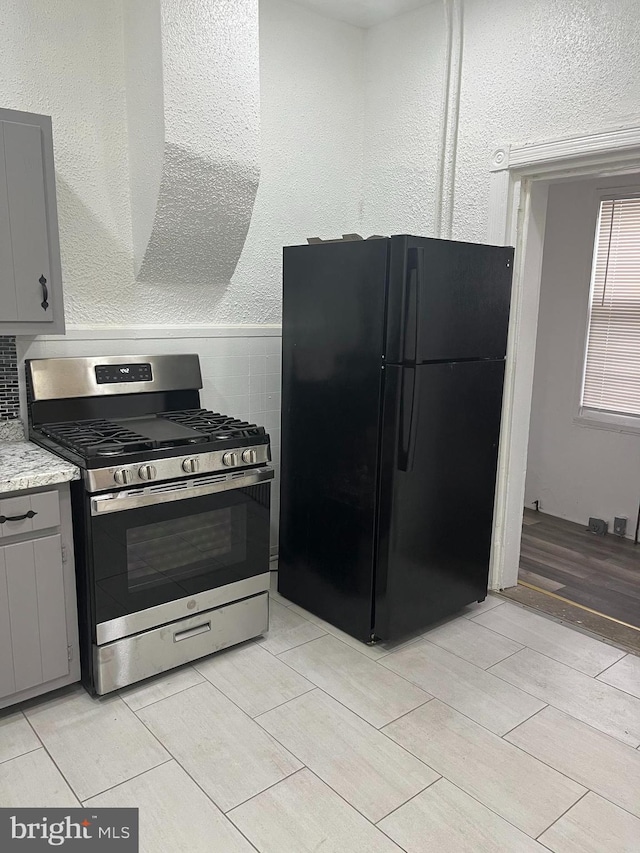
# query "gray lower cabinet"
(38, 613)
(30, 272)
(31, 574)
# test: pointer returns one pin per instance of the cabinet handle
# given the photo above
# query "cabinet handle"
(45, 292)
(29, 514)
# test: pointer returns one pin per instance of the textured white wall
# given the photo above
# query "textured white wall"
(404, 67)
(311, 89)
(574, 471)
(539, 69)
(532, 70)
(337, 154)
(66, 59)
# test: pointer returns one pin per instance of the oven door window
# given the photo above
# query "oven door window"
(151, 555)
(178, 549)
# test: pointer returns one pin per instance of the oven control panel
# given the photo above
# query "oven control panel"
(175, 467)
(111, 373)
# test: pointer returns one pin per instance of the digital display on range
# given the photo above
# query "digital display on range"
(111, 373)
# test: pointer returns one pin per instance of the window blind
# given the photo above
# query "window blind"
(612, 364)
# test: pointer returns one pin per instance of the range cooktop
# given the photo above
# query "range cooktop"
(99, 438)
(131, 420)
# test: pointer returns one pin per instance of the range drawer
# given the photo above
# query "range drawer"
(26, 513)
(142, 655)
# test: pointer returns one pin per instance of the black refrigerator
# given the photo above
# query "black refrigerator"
(393, 369)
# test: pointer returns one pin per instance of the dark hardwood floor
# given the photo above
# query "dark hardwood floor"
(599, 572)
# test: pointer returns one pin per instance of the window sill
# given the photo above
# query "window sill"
(610, 422)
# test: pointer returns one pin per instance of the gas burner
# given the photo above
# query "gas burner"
(117, 449)
(214, 425)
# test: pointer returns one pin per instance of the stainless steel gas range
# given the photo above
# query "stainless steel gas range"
(171, 515)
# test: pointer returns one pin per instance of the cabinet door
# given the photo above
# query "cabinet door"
(34, 582)
(8, 302)
(28, 220)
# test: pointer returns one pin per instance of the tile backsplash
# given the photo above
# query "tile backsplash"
(9, 395)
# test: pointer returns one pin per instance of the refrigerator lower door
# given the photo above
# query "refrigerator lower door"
(439, 451)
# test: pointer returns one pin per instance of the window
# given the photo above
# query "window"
(612, 364)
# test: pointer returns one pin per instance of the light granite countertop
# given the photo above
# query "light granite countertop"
(24, 465)
(11, 431)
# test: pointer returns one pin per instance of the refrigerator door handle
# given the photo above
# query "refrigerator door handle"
(415, 272)
(408, 419)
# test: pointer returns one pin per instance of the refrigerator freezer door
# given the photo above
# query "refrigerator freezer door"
(438, 473)
(447, 300)
(333, 333)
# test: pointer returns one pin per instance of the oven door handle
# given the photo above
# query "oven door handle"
(185, 489)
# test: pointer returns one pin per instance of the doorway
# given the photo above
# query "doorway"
(583, 459)
(520, 179)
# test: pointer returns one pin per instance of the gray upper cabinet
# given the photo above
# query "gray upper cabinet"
(30, 273)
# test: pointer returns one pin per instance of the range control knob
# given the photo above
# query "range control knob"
(191, 464)
(249, 456)
(123, 476)
(147, 472)
(230, 459)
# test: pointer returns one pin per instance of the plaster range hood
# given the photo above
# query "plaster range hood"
(193, 98)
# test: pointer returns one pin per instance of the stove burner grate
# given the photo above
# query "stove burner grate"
(104, 438)
(97, 437)
(213, 424)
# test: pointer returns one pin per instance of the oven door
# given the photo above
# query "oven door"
(163, 552)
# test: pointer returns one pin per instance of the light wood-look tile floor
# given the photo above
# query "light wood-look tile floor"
(498, 730)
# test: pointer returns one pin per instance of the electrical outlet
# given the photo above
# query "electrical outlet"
(599, 526)
(620, 525)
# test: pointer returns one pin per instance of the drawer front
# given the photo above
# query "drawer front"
(26, 513)
(142, 655)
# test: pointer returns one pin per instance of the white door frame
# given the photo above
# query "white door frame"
(519, 182)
